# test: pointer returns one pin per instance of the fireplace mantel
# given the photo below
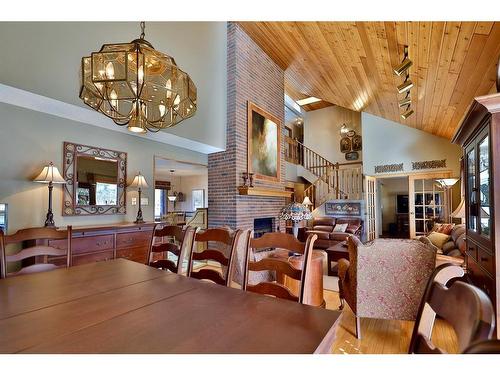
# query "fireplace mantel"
(264, 192)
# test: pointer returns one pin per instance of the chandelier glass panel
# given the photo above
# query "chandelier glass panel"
(137, 86)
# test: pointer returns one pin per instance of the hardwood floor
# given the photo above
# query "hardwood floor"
(379, 336)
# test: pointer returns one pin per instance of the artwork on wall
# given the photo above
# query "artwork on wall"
(428, 164)
(264, 144)
(345, 145)
(343, 209)
(350, 143)
(386, 168)
(356, 143)
(352, 156)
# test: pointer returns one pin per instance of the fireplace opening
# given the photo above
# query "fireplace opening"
(262, 225)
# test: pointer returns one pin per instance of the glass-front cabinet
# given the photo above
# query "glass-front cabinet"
(478, 186)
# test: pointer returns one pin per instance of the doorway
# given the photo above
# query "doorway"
(394, 207)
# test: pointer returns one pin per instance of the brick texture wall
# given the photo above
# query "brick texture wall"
(252, 76)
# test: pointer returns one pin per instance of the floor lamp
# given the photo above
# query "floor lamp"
(447, 184)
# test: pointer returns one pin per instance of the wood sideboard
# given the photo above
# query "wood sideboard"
(98, 243)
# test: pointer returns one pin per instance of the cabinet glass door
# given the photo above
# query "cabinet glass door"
(471, 189)
(484, 187)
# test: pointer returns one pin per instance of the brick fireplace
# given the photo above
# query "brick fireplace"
(252, 76)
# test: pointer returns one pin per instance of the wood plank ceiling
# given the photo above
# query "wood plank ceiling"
(351, 64)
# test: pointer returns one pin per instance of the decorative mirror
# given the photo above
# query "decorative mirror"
(95, 180)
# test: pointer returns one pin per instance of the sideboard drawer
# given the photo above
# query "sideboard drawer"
(86, 244)
(133, 239)
(90, 258)
(135, 254)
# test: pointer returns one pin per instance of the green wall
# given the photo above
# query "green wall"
(29, 140)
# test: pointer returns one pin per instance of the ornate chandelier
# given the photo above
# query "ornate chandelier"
(135, 85)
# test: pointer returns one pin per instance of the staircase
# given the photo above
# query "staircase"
(332, 180)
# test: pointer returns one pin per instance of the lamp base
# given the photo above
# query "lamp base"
(49, 221)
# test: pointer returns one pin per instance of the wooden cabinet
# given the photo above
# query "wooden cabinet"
(94, 244)
(479, 136)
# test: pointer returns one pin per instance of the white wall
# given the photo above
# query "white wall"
(322, 131)
(387, 142)
(45, 57)
(29, 140)
(190, 183)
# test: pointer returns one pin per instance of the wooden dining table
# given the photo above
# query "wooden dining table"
(120, 306)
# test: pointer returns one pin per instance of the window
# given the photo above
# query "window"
(160, 205)
(198, 199)
(3, 217)
(106, 194)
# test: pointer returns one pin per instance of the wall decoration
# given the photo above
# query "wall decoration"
(352, 156)
(105, 191)
(356, 143)
(428, 164)
(387, 168)
(343, 209)
(264, 145)
(351, 133)
(345, 144)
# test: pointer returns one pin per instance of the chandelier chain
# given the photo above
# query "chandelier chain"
(143, 26)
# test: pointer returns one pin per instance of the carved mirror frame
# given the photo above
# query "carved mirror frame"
(70, 153)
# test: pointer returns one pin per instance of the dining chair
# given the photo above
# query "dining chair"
(465, 307)
(484, 347)
(215, 240)
(279, 265)
(179, 243)
(32, 234)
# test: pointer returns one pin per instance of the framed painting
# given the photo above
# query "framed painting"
(264, 144)
(345, 145)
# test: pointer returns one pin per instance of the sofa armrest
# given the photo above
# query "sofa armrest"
(339, 236)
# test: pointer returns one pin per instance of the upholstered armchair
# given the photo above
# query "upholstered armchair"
(385, 279)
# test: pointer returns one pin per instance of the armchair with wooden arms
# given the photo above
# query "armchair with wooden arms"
(385, 279)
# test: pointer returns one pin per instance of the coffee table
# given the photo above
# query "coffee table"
(334, 253)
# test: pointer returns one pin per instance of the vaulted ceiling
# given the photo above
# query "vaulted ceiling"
(351, 64)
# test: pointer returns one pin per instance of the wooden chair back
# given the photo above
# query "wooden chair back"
(285, 241)
(179, 243)
(467, 308)
(212, 237)
(484, 347)
(33, 234)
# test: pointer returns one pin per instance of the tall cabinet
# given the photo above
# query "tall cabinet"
(479, 136)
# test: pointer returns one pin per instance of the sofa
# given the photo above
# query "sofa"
(385, 278)
(455, 247)
(323, 227)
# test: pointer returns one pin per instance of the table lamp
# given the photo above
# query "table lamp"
(139, 183)
(307, 202)
(295, 212)
(50, 175)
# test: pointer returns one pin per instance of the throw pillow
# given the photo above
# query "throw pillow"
(443, 228)
(438, 239)
(340, 228)
(428, 242)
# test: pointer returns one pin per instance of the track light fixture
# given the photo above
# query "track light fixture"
(405, 86)
(404, 102)
(407, 113)
(405, 64)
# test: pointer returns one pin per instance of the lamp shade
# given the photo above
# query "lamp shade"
(447, 182)
(307, 202)
(459, 212)
(295, 212)
(139, 182)
(49, 174)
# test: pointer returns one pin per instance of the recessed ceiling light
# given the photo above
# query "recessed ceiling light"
(308, 100)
